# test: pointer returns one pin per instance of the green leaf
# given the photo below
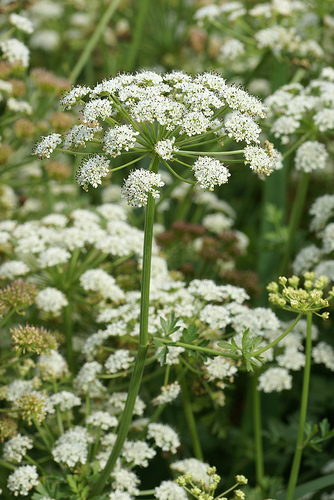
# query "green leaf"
(169, 326)
(310, 487)
(189, 335)
(162, 356)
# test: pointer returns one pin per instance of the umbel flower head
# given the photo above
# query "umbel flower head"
(167, 117)
(291, 297)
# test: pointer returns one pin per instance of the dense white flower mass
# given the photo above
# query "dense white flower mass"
(119, 361)
(72, 447)
(139, 184)
(210, 172)
(118, 139)
(64, 399)
(22, 480)
(321, 210)
(263, 161)
(311, 155)
(53, 256)
(16, 448)
(102, 419)
(164, 437)
(15, 52)
(166, 148)
(168, 490)
(52, 366)
(19, 106)
(324, 353)
(86, 382)
(51, 300)
(220, 367)
(47, 146)
(125, 480)
(137, 453)
(118, 114)
(232, 48)
(91, 171)
(243, 128)
(79, 135)
(217, 222)
(168, 394)
(275, 379)
(13, 268)
(21, 23)
(98, 280)
(194, 467)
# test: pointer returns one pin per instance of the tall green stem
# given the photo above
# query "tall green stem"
(138, 34)
(137, 373)
(303, 410)
(190, 418)
(93, 40)
(296, 214)
(257, 427)
(69, 335)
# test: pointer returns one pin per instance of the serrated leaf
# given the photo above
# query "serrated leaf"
(189, 335)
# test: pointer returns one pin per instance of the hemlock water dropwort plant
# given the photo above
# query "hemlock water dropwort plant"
(166, 118)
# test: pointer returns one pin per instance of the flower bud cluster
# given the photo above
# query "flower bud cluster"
(291, 297)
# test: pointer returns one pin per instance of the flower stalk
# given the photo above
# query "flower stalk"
(303, 411)
(137, 374)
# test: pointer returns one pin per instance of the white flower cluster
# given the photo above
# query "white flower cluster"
(92, 170)
(311, 155)
(210, 172)
(102, 419)
(86, 381)
(186, 108)
(79, 135)
(194, 467)
(100, 281)
(21, 23)
(274, 25)
(137, 453)
(52, 366)
(293, 108)
(168, 490)
(72, 447)
(243, 128)
(168, 394)
(13, 268)
(164, 437)
(51, 300)
(319, 259)
(125, 480)
(119, 361)
(263, 161)
(47, 146)
(166, 148)
(139, 184)
(15, 52)
(22, 480)
(119, 138)
(53, 256)
(64, 399)
(275, 379)
(16, 448)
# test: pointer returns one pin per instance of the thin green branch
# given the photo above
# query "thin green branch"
(303, 411)
(99, 30)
